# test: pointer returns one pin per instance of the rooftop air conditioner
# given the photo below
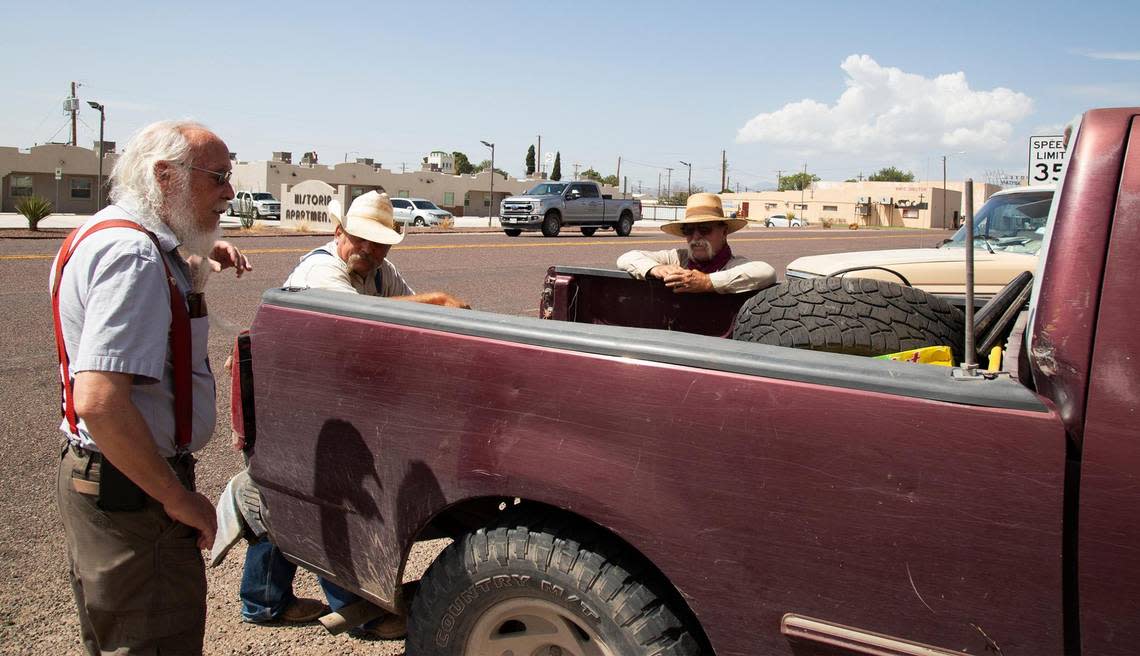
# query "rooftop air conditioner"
(886, 200)
(864, 200)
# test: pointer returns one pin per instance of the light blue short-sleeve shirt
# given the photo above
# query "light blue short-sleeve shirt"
(114, 303)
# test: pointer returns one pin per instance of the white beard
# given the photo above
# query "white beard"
(181, 220)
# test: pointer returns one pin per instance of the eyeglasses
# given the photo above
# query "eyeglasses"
(705, 229)
(220, 177)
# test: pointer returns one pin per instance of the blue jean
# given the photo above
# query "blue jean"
(267, 585)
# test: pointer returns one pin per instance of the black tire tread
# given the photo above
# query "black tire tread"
(858, 316)
(544, 541)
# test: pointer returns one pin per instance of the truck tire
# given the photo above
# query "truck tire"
(589, 232)
(531, 586)
(857, 316)
(256, 212)
(512, 232)
(552, 224)
(624, 225)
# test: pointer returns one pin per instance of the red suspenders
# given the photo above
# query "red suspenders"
(180, 347)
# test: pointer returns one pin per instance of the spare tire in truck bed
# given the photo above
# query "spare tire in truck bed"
(857, 316)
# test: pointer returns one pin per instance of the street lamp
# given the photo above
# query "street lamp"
(960, 152)
(102, 122)
(491, 212)
(690, 176)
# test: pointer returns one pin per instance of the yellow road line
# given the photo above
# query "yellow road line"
(537, 244)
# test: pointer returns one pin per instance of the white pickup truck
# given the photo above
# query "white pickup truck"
(255, 204)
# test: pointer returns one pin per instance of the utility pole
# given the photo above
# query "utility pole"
(803, 183)
(690, 165)
(403, 167)
(723, 170)
(619, 168)
(576, 170)
(73, 107)
(943, 192)
(541, 161)
(669, 183)
(491, 206)
(102, 122)
(779, 178)
(659, 185)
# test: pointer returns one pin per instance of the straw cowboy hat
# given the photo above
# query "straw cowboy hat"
(369, 217)
(703, 208)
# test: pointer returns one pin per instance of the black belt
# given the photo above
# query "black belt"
(180, 461)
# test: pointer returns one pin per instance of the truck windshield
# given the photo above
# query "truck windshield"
(424, 205)
(263, 197)
(1013, 223)
(546, 189)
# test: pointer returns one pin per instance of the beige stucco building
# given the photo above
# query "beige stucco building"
(896, 204)
(33, 172)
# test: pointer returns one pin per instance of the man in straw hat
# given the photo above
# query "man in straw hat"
(707, 263)
(355, 261)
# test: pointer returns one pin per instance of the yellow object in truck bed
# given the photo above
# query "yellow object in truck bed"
(938, 355)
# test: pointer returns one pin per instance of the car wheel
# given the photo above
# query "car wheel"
(512, 232)
(552, 224)
(624, 225)
(767, 224)
(229, 210)
(857, 316)
(256, 213)
(419, 221)
(571, 590)
(589, 232)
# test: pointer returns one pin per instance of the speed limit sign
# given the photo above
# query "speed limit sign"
(1046, 159)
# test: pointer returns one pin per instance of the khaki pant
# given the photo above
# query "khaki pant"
(138, 577)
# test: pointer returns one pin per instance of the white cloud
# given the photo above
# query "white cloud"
(1119, 55)
(890, 112)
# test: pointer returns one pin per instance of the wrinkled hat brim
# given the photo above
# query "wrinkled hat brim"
(674, 227)
(363, 228)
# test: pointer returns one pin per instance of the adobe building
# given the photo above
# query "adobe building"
(65, 175)
(924, 204)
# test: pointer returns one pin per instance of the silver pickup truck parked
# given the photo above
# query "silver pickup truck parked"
(551, 205)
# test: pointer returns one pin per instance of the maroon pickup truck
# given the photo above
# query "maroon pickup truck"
(621, 478)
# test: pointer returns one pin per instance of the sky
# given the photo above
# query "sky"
(844, 88)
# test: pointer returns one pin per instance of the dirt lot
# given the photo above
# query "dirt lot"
(37, 614)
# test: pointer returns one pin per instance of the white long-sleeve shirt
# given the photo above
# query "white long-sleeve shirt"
(739, 275)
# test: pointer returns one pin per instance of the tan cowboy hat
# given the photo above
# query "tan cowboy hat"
(369, 217)
(703, 208)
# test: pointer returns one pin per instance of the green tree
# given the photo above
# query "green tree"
(611, 180)
(590, 174)
(486, 164)
(530, 160)
(797, 181)
(556, 172)
(891, 174)
(462, 164)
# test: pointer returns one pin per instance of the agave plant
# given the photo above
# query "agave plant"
(34, 209)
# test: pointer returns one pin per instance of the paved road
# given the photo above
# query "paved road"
(491, 271)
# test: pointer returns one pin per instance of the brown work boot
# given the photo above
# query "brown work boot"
(387, 627)
(302, 611)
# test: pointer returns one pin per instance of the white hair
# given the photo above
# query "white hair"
(133, 182)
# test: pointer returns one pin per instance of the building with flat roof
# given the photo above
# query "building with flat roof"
(65, 175)
(923, 204)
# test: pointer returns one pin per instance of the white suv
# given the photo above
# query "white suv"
(257, 204)
(418, 211)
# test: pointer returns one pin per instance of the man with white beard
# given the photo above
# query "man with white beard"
(138, 393)
(707, 264)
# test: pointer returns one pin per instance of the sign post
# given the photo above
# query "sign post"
(1046, 159)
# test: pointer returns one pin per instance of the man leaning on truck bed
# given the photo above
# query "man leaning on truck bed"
(707, 263)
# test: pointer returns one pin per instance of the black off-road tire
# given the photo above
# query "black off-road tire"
(512, 232)
(556, 573)
(551, 224)
(589, 232)
(625, 225)
(858, 316)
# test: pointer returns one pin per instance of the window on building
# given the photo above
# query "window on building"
(910, 212)
(466, 199)
(403, 193)
(80, 188)
(486, 202)
(449, 198)
(769, 206)
(830, 208)
(799, 206)
(21, 186)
